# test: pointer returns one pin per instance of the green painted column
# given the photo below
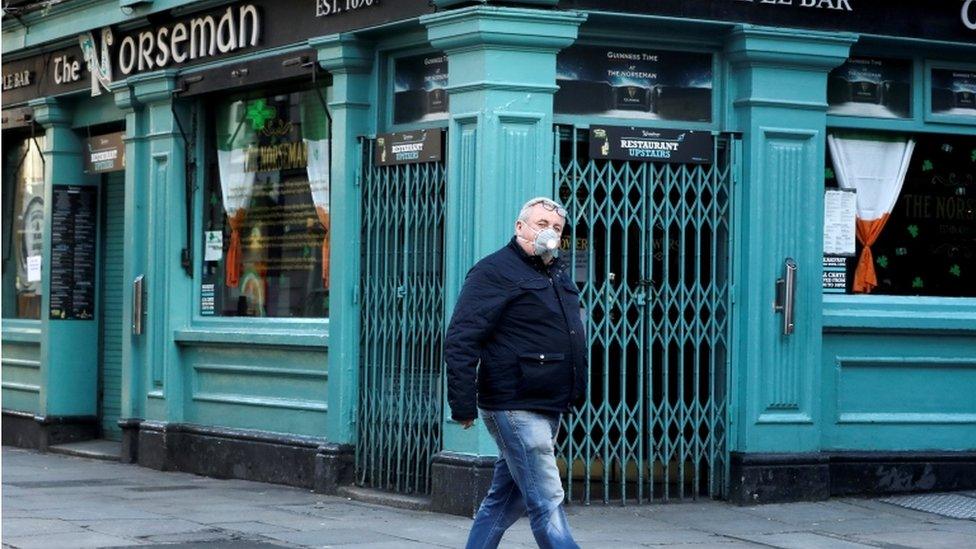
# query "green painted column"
(69, 348)
(350, 62)
(502, 77)
(155, 234)
(778, 85)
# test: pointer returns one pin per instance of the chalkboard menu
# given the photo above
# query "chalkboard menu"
(73, 225)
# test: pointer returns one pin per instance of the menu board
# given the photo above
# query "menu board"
(840, 222)
(834, 275)
(73, 236)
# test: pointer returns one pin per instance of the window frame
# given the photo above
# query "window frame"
(908, 314)
(289, 331)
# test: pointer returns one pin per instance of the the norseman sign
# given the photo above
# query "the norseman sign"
(238, 27)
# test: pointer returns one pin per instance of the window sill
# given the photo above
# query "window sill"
(305, 336)
(874, 313)
(21, 331)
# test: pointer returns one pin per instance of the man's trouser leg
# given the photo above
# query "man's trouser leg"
(526, 443)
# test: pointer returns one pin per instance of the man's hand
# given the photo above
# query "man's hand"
(467, 423)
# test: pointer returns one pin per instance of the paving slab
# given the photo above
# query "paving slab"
(65, 501)
(805, 540)
(921, 539)
(70, 540)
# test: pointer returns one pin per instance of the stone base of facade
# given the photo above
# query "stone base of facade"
(776, 478)
(876, 473)
(229, 453)
(26, 430)
(459, 482)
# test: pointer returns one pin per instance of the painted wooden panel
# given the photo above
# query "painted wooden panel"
(267, 388)
(788, 157)
(899, 392)
(21, 376)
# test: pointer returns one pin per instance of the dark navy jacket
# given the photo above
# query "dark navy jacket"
(519, 319)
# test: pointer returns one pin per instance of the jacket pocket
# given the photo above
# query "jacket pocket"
(544, 374)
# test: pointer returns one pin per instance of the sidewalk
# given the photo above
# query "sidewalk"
(61, 502)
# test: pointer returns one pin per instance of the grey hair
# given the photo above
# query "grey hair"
(524, 213)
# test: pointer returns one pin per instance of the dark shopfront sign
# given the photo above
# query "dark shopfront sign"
(948, 20)
(190, 39)
(409, 147)
(651, 145)
(105, 153)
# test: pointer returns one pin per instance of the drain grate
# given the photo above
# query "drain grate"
(947, 505)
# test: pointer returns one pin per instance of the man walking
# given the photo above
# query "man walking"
(515, 350)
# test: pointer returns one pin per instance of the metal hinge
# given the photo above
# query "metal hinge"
(355, 295)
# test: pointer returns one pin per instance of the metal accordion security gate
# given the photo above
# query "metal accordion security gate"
(651, 254)
(401, 291)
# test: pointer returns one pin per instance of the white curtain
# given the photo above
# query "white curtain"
(875, 169)
(234, 136)
(315, 134)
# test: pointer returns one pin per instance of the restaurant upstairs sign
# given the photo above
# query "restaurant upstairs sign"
(174, 44)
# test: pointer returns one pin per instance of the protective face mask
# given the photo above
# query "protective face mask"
(546, 243)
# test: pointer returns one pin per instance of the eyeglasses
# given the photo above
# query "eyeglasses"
(551, 206)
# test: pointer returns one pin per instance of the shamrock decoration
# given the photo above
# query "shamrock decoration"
(258, 113)
(972, 155)
(927, 166)
(955, 270)
(918, 283)
(882, 261)
(829, 172)
(913, 230)
(901, 251)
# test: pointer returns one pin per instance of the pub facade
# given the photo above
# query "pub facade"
(233, 234)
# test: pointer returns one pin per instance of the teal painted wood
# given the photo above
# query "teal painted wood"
(401, 288)
(500, 141)
(350, 61)
(266, 387)
(898, 391)
(112, 330)
(69, 348)
(653, 263)
(778, 89)
(21, 375)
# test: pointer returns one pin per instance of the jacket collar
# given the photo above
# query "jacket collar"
(535, 261)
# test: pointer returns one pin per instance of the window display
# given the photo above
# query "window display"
(266, 240)
(916, 212)
(23, 229)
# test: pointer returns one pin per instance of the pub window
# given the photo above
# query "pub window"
(23, 228)
(266, 207)
(913, 200)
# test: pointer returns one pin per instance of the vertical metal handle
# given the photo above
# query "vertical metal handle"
(786, 295)
(137, 305)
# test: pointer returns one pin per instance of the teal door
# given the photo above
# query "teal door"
(111, 329)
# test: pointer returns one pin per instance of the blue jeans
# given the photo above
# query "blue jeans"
(526, 480)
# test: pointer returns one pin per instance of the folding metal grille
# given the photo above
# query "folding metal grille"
(651, 254)
(402, 302)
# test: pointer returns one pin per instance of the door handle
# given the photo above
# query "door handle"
(786, 295)
(137, 306)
